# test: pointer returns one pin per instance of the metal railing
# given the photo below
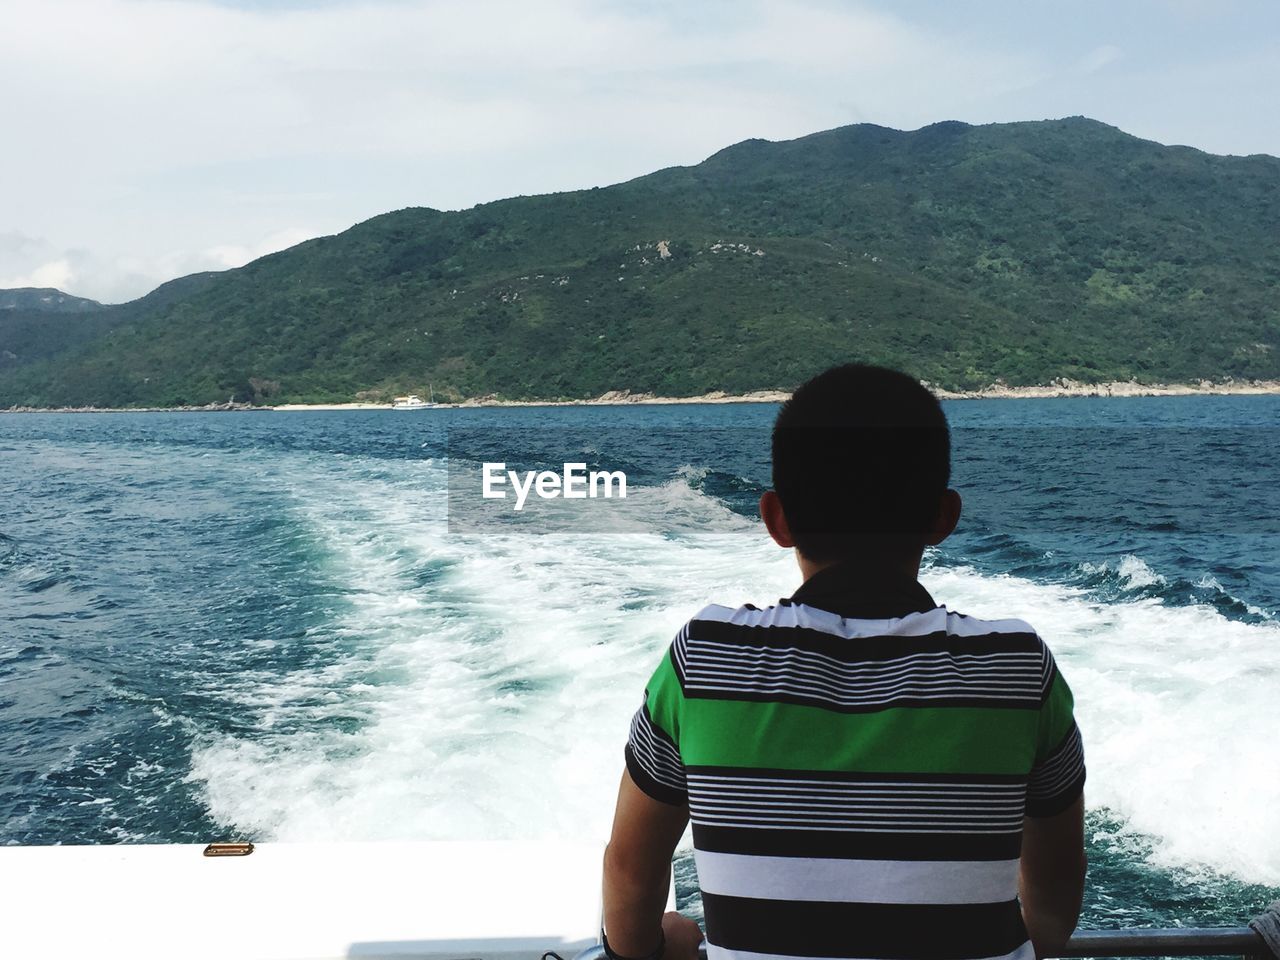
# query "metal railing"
(1176, 942)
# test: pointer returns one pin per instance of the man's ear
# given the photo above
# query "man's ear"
(949, 506)
(775, 521)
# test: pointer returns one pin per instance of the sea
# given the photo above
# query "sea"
(311, 626)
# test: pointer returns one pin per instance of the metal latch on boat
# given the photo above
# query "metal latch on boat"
(228, 850)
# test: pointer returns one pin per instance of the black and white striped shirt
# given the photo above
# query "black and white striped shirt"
(857, 763)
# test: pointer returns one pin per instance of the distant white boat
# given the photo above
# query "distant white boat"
(412, 402)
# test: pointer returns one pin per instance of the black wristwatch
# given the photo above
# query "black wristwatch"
(656, 955)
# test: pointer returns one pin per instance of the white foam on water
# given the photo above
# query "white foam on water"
(1178, 709)
(489, 681)
(1134, 571)
(1137, 573)
(504, 685)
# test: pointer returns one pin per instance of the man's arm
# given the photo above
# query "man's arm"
(637, 877)
(1051, 882)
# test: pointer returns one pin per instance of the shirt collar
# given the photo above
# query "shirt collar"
(851, 590)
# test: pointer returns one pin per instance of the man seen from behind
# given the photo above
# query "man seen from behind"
(868, 774)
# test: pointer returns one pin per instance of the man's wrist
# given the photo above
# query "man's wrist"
(655, 955)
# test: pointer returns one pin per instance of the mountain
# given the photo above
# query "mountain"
(45, 300)
(37, 323)
(965, 254)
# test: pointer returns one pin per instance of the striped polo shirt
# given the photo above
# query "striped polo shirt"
(857, 762)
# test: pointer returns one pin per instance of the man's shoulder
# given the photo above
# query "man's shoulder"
(745, 615)
(787, 615)
(962, 624)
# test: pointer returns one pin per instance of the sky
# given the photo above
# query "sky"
(147, 139)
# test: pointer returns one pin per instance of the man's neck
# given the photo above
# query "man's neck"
(870, 586)
(908, 567)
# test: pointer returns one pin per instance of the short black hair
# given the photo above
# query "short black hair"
(861, 458)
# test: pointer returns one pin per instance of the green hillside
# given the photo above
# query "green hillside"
(44, 300)
(39, 323)
(1015, 252)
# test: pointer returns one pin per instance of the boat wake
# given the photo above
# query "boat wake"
(480, 687)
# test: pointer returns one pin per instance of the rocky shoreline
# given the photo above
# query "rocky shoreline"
(997, 391)
(1114, 388)
(206, 408)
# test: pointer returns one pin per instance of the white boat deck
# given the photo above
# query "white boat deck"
(300, 901)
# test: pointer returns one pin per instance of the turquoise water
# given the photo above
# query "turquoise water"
(264, 624)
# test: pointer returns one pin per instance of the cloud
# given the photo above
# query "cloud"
(1098, 58)
(55, 273)
(151, 85)
(227, 256)
(1202, 9)
(178, 132)
(35, 262)
(164, 133)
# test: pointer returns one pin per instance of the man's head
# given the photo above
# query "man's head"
(861, 462)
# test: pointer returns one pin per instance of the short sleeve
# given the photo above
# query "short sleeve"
(1057, 776)
(653, 747)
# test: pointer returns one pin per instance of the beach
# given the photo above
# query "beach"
(995, 391)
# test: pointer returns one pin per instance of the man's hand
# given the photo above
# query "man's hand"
(637, 872)
(683, 936)
(1051, 883)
